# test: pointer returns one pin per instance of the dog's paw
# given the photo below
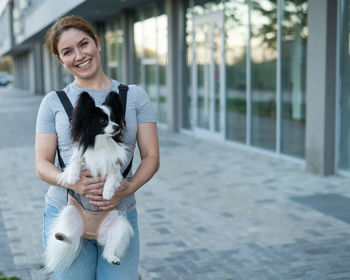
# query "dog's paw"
(62, 237)
(113, 260)
(68, 178)
(108, 193)
(72, 178)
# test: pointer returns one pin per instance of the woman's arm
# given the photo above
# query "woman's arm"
(45, 151)
(147, 140)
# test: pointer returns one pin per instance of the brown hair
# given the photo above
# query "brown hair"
(62, 24)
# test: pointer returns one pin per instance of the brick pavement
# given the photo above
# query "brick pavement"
(213, 211)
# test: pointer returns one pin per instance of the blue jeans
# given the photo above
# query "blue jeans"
(90, 265)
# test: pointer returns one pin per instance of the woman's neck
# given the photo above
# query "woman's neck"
(98, 83)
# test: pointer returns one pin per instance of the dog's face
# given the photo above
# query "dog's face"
(90, 122)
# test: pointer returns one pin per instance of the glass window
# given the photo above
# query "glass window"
(151, 51)
(114, 50)
(138, 38)
(162, 57)
(203, 61)
(187, 76)
(206, 6)
(263, 73)
(236, 29)
(293, 77)
(344, 86)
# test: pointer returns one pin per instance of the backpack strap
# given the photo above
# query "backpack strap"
(68, 107)
(123, 91)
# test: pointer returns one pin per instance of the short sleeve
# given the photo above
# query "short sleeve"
(45, 122)
(144, 109)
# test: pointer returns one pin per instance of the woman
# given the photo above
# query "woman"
(74, 43)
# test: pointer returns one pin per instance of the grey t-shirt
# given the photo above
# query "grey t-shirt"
(52, 118)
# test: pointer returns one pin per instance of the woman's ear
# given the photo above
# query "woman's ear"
(98, 44)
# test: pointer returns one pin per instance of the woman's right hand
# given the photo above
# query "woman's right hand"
(87, 184)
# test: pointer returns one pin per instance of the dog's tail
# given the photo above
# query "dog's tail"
(64, 240)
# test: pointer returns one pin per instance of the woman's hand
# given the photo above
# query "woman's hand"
(121, 192)
(87, 184)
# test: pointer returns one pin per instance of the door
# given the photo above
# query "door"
(208, 75)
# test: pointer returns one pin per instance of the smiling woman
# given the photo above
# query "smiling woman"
(74, 43)
(79, 54)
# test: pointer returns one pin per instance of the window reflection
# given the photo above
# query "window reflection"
(263, 73)
(151, 50)
(236, 28)
(206, 6)
(203, 59)
(293, 83)
(262, 61)
(114, 50)
(187, 76)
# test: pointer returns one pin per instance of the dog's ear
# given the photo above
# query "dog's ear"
(113, 101)
(81, 115)
(85, 101)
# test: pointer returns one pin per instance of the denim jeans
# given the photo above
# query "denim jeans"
(90, 265)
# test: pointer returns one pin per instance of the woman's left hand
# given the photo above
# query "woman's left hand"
(121, 192)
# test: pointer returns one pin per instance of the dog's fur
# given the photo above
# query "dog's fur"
(97, 136)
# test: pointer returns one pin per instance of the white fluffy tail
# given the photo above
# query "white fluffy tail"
(64, 240)
(115, 234)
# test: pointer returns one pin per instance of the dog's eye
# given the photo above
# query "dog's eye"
(103, 121)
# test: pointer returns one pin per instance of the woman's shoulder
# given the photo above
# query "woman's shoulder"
(49, 98)
(136, 91)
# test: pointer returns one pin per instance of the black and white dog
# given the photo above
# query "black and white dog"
(97, 136)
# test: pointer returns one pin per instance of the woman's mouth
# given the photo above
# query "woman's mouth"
(81, 65)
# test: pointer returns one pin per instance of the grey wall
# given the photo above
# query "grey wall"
(321, 87)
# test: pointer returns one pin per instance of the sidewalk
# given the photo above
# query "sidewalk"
(211, 212)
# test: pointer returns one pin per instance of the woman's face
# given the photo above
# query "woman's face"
(79, 54)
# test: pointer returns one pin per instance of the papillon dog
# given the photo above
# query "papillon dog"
(96, 132)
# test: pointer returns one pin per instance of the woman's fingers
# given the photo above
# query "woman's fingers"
(103, 204)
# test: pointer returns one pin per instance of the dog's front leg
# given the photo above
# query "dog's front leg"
(72, 172)
(112, 182)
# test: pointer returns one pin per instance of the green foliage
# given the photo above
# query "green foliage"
(294, 21)
(3, 277)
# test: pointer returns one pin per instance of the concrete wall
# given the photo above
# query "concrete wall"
(34, 20)
(321, 86)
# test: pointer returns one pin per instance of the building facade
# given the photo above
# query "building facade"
(268, 75)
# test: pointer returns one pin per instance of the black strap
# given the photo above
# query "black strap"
(67, 105)
(123, 91)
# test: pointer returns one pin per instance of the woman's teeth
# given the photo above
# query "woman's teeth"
(84, 64)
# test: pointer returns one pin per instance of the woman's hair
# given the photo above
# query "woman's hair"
(61, 25)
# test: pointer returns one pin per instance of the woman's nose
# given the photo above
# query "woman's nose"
(79, 55)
